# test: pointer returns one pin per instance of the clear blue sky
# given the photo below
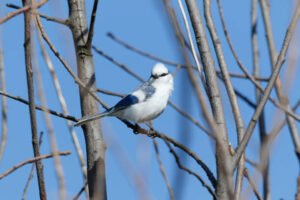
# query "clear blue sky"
(145, 25)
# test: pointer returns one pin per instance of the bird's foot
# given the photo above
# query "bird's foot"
(136, 127)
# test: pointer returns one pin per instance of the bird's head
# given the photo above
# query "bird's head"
(161, 74)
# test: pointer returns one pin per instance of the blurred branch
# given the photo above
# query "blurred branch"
(92, 25)
(261, 121)
(244, 69)
(33, 160)
(162, 170)
(48, 18)
(3, 107)
(30, 90)
(168, 62)
(22, 10)
(51, 133)
(283, 99)
(177, 159)
(66, 65)
(187, 27)
(155, 134)
(253, 186)
(52, 112)
(80, 192)
(267, 91)
(31, 173)
(64, 108)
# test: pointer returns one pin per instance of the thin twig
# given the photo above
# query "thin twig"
(32, 160)
(177, 159)
(155, 134)
(92, 25)
(187, 27)
(168, 62)
(261, 120)
(22, 10)
(3, 107)
(48, 18)
(80, 191)
(162, 170)
(52, 112)
(31, 173)
(253, 186)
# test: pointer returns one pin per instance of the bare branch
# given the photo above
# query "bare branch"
(92, 25)
(267, 91)
(80, 192)
(3, 107)
(244, 69)
(30, 88)
(162, 170)
(230, 91)
(261, 120)
(204, 184)
(33, 160)
(52, 112)
(224, 188)
(155, 134)
(48, 18)
(51, 133)
(22, 10)
(283, 99)
(64, 107)
(172, 63)
(31, 174)
(253, 186)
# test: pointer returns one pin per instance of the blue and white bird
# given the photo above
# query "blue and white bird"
(145, 103)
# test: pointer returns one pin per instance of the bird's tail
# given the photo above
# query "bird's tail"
(87, 119)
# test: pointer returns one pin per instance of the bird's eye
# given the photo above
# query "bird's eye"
(164, 74)
(154, 76)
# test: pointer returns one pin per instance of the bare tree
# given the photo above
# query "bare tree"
(203, 42)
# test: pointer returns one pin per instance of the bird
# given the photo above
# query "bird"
(145, 103)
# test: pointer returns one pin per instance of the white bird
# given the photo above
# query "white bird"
(145, 103)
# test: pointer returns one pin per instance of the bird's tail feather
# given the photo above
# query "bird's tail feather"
(87, 119)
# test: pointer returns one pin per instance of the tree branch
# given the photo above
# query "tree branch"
(52, 112)
(267, 91)
(33, 160)
(92, 25)
(30, 88)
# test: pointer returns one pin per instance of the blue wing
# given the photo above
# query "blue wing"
(127, 101)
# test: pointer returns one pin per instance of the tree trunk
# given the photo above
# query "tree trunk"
(92, 131)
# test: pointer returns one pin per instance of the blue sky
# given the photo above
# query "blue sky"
(145, 25)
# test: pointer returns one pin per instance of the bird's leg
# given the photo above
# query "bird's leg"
(136, 127)
(151, 130)
(150, 125)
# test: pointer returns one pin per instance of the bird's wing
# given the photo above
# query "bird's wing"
(127, 101)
